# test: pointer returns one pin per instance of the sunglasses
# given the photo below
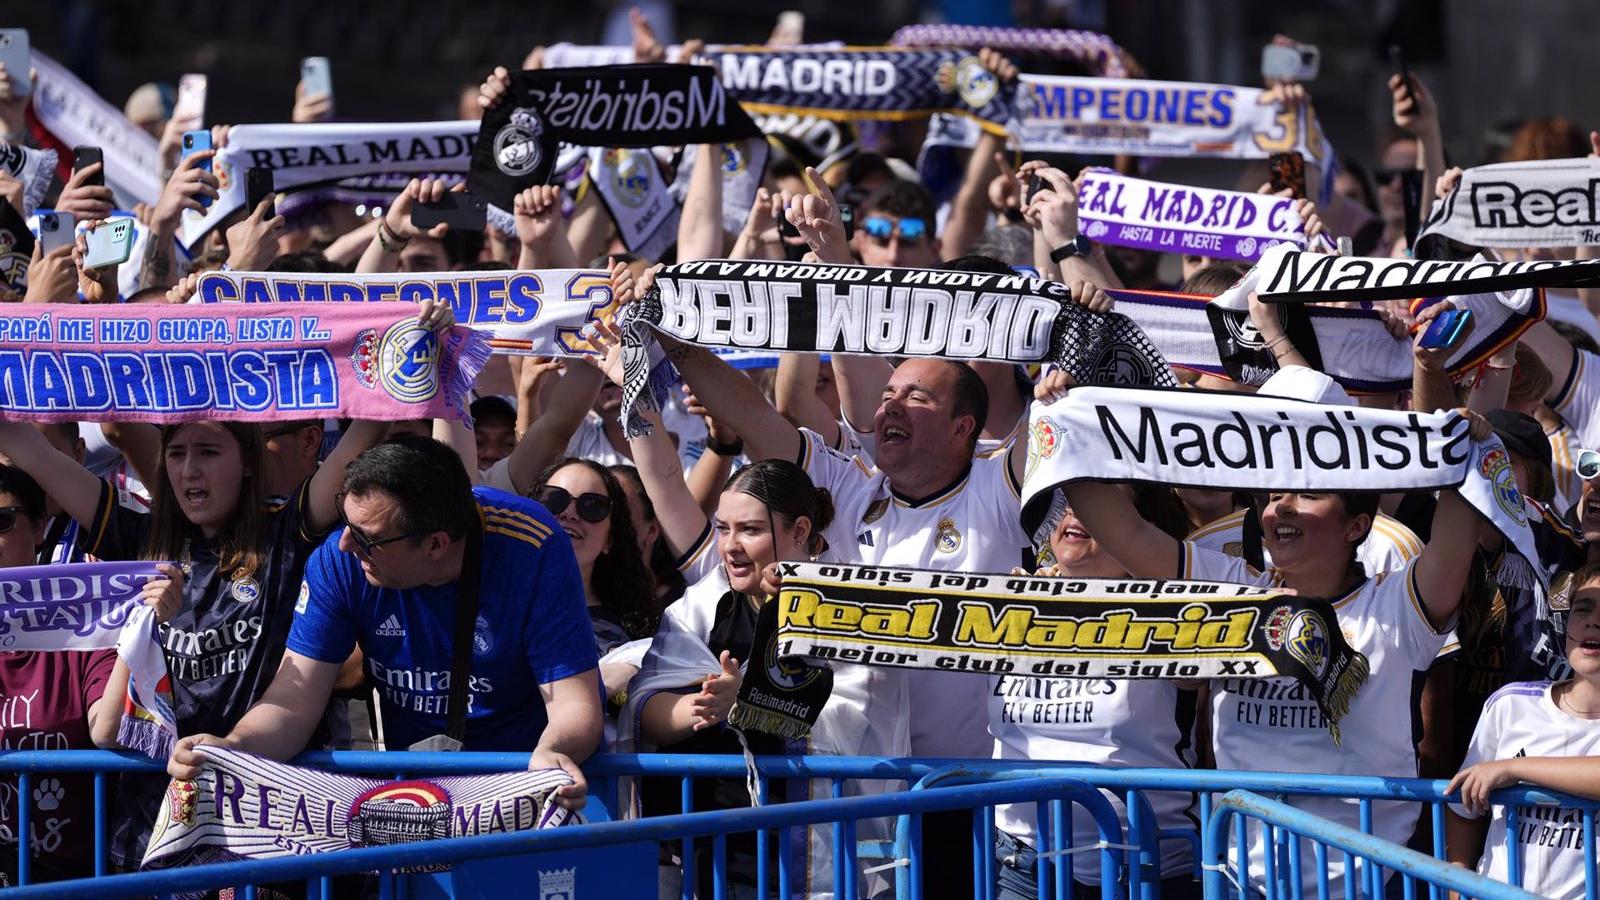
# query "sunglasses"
(1386, 177)
(8, 517)
(881, 229)
(365, 544)
(1588, 464)
(592, 508)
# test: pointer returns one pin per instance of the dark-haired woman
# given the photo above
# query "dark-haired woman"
(592, 508)
(242, 559)
(686, 686)
(1399, 620)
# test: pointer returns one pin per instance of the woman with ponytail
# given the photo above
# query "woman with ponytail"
(688, 683)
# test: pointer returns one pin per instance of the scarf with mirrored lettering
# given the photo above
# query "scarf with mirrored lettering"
(805, 308)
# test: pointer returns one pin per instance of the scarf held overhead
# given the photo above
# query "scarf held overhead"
(321, 153)
(1064, 628)
(804, 308)
(1229, 441)
(1353, 346)
(33, 168)
(866, 83)
(1286, 275)
(1100, 54)
(71, 115)
(166, 364)
(1538, 203)
(1170, 218)
(611, 106)
(243, 806)
(96, 606)
(540, 313)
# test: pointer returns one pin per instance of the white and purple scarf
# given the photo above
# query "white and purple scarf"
(96, 606)
(1171, 218)
(74, 115)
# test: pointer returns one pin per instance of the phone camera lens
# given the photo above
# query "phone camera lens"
(48, 222)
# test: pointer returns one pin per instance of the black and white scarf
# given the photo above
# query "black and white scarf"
(323, 153)
(1286, 275)
(1353, 346)
(1537, 203)
(866, 83)
(610, 106)
(31, 167)
(1064, 628)
(1230, 441)
(806, 308)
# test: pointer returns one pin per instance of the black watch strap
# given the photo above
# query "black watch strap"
(1078, 246)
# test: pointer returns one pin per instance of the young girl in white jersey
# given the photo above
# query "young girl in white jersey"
(1399, 620)
(1144, 723)
(1544, 734)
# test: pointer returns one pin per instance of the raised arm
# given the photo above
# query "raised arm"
(395, 231)
(140, 444)
(700, 225)
(541, 232)
(795, 394)
(69, 484)
(1441, 569)
(1108, 512)
(546, 439)
(969, 210)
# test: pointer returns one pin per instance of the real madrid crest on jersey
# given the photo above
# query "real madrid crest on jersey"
(246, 590)
(947, 539)
(875, 511)
(482, 638)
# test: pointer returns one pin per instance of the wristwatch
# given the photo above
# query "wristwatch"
(1078, 246)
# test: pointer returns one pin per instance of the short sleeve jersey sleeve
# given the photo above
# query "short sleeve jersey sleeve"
(829, 468)
(324, 628)
(1198, 563)
(1579, 398)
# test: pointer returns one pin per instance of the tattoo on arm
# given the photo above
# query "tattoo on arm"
(157, 268)
(684, 351)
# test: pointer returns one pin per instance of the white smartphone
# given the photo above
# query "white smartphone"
(109, 245)
(190, 109)
(316, 77)
(55, 230)
(1298, 63)
(14, 53)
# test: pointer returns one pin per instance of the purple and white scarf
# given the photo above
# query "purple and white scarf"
(1171, 218)
(96, 606)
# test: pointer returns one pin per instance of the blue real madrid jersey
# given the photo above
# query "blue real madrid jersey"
(532, 629)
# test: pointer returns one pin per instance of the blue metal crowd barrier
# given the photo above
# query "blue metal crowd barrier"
(606, 772)
(533, 845)
(1288, 825)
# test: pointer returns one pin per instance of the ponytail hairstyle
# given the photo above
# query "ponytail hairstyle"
(788, 494)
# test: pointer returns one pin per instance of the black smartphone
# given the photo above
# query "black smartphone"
(847, 214)
(84, 157)
(1411, 202)
(786, 228)
(1397, 58)
(1034, 184)
(461, 210)
(258, 187)
(1287, 170)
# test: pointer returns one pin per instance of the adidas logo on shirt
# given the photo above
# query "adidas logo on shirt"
(864, 538)
(391, 627)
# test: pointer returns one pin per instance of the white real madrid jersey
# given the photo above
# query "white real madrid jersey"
(971, 526)
(1389, 545)
(1383, 618)
(1522, 719)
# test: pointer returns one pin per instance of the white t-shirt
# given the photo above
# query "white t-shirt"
(1564, 449)
(971, 526)
(1522, 719)
(1579, 400)
(1388, 547)
(1097, 722)
(1567, 306)
(1272, 724)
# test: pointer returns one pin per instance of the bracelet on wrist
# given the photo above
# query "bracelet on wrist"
(388, 240)
(729, 450)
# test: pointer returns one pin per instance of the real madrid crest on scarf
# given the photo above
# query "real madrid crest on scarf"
(779, 695)
(607, 106)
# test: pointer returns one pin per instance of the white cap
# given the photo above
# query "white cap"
(1301, 383)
